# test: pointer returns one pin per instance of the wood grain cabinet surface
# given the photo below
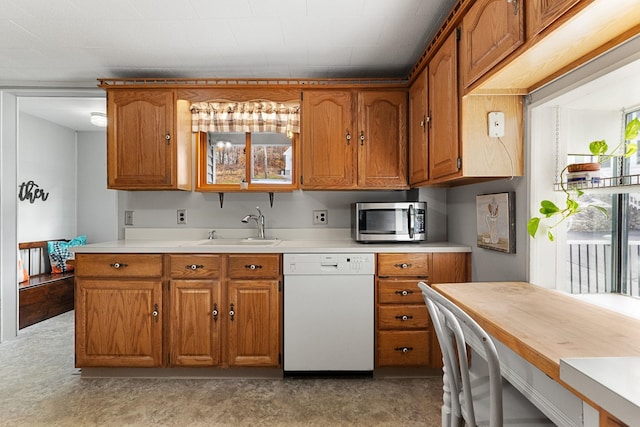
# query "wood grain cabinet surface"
(418, 130)
(178, 310)
(119, 310)
(404, 334)
(444, 138)
(148, 140)
(491, 30)
(354, 139)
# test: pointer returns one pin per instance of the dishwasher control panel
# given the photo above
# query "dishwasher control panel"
(325, 263)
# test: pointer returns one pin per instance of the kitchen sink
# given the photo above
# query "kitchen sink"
(239, 242)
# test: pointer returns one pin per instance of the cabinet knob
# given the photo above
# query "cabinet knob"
(404, 317)
(167, 137)
(155, 312)
(253, 266)
(194, 266)
(348, 136)
(118, 265)
(232, 312)
(361, 137)
(404, 292)
(404, 349)
(403, 265)
(214, 313)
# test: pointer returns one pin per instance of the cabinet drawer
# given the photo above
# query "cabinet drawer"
(245, 266)
(194, 266)
(118, 265)
(392, 291)
(402, 348)
(407, 264)
(403, 317)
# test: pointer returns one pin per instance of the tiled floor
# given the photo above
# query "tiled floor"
(40, 387)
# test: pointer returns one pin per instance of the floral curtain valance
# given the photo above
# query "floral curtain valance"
(249, 116)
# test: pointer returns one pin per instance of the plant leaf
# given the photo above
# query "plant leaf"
(632, 129)
(548, 208)
(532, 226)
(631, 149)
(572, 205)
(598, 148)
(579, 192)
(550, 236)
(602, 210)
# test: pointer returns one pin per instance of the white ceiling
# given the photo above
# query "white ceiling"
(71, 43)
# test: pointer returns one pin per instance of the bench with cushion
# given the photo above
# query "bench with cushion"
(44, 294)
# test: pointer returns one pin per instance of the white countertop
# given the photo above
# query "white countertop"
(613, 383)
(280, 246)
(194, 240)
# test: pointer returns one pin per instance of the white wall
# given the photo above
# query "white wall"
(47, 156)
(97, 206)
(8, 239)
(290, 210)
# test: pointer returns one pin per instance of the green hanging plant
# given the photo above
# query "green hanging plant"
(551, 213)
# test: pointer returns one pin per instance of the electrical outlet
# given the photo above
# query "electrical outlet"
(496, 124)
(128, 217)
(320, 217)
(182, 216)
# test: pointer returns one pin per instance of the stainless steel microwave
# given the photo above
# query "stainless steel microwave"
(389, 222)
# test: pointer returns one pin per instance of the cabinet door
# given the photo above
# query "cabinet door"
(194, 329)
(418, 135)
(382, 139)
(254, 323)
(141, 139)
(328, 140)
(491, 30)
(451, 267)
(118, 323)
(540, 14)
(444, 143)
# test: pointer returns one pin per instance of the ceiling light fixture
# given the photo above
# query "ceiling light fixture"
(99, 119)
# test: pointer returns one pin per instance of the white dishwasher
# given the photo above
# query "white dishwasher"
(328, 312)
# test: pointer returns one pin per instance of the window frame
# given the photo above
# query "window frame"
(202, 185)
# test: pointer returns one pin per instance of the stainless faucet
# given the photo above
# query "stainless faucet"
(259, 219)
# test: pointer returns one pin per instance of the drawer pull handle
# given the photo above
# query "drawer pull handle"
(404, 349)
(404, 317)
(214, 313)
(403, 265)
(253, 266)
(404, 292)
(118, 265)
(194, 266)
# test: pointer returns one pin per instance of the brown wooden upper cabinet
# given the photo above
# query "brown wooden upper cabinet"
(491, 30)
(354, 139)
(148, 140)
(540, 14)
(444, 140)
(418, 130)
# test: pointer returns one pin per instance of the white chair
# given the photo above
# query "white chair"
(474, 390)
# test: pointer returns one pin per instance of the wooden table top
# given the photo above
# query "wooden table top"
(544, 325)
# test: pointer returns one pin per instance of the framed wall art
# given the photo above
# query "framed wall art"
(495, 216)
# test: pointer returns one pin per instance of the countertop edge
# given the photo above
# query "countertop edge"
(284, 246)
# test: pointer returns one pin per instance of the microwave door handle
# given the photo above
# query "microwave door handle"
(412, 220)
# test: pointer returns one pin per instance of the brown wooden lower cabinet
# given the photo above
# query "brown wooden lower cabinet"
(404, 334)
(178, 310)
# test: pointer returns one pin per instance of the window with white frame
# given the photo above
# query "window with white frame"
(593, 253)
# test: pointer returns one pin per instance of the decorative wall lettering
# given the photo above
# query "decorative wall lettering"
(31, 191)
